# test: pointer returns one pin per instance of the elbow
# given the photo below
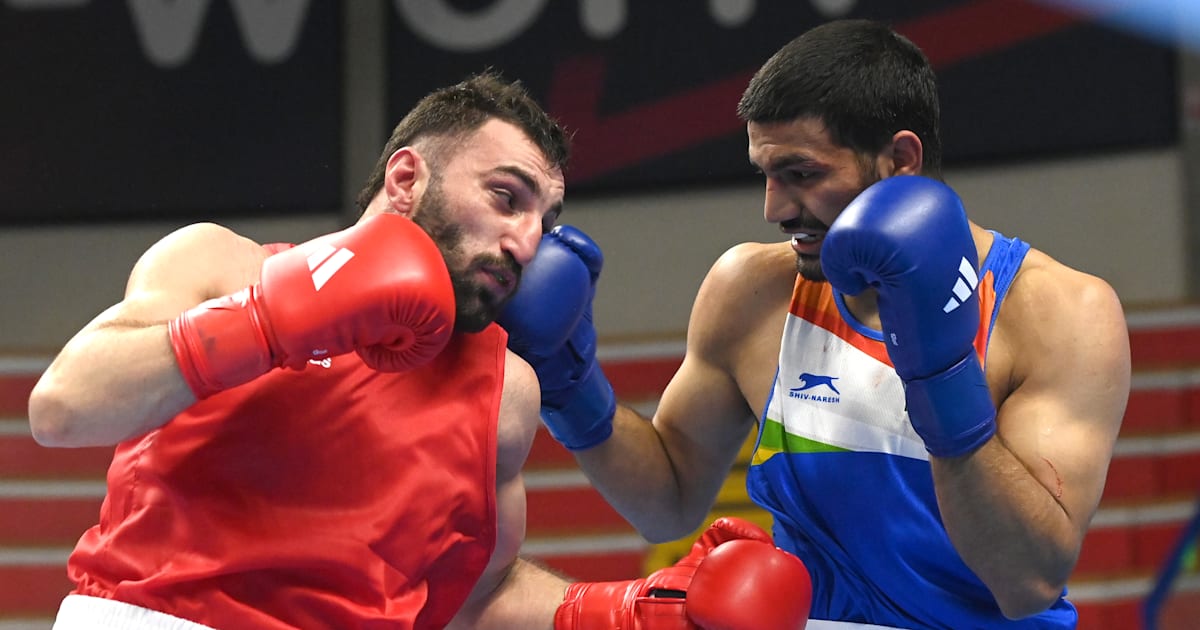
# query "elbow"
(1024, 589)
(658, 535)
(1022, 607)
(1031, 598)
(51, 419)
(657, 531)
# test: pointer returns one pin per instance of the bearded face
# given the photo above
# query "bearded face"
(478, 303)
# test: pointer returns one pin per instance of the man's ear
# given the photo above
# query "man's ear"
(906, 153)
(403, 180)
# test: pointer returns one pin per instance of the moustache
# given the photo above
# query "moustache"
(803, 224)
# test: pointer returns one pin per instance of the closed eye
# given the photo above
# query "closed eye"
(796, 176)
(507, 197)
(791, 170)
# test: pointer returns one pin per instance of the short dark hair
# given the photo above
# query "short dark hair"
(863, 80)
(452, 113)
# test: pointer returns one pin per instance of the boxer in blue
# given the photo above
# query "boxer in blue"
(936, 403)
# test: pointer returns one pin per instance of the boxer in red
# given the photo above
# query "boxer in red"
(331, 435)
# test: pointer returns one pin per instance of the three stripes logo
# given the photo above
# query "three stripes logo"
(967, 281)
(325, 261)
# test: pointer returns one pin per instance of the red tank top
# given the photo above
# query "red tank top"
(332, 497)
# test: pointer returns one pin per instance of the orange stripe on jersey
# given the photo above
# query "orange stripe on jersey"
(987, 303)
(813, 302)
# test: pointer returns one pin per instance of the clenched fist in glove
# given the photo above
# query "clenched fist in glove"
(908, 238)
(379, 288)
(549, 324)
(734, 578)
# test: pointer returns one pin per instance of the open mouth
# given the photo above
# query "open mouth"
(807, 238)
(807, 243)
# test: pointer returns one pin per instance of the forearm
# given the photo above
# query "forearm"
(527, 597)
(635, 473)
(111, 382)
(1009, 529)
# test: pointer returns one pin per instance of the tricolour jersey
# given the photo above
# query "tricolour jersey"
(848, 480)
(331, 497)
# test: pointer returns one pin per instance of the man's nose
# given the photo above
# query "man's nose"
(777, 206)
(523, 241)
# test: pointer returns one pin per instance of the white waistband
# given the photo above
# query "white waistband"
(81, 612)
(825, 624)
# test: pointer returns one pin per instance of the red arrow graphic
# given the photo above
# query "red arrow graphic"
(607, 142)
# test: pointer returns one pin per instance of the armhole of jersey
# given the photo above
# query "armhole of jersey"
(493, 450)
(762, 417)
(1003, 260)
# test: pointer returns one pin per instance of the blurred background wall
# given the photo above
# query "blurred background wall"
(123, 121)
(1073, 124)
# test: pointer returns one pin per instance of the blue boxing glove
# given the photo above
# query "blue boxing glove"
(908, 238)
(549, 324)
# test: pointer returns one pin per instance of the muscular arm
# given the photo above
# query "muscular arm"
(513, 593)
(664, 474)
(1018, 508)
(117, 377)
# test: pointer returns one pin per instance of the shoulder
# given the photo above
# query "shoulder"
(1059, 318)
(750, 282)
(201, 243)
(745, 273)
(764, 263)
(1047, 290)
(215, 256)
(200, 236)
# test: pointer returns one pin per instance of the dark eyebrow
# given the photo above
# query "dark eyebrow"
(785, 161)
(525, 178)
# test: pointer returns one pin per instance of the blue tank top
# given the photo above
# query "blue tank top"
(848, 480)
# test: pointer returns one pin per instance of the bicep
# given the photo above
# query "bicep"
(1062, 418)
(703, 414)
(702, 418)
(79, 401)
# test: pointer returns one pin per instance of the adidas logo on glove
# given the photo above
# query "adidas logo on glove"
(967, 281)
(326, 261)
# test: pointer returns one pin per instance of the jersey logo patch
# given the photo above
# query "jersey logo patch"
(816, 381)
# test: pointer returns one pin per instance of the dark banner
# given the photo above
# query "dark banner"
(650, 87)
(187, 109)
(168, 108)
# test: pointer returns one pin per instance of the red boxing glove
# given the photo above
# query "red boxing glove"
(656, 602)
(747, 584)
(380, 288)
